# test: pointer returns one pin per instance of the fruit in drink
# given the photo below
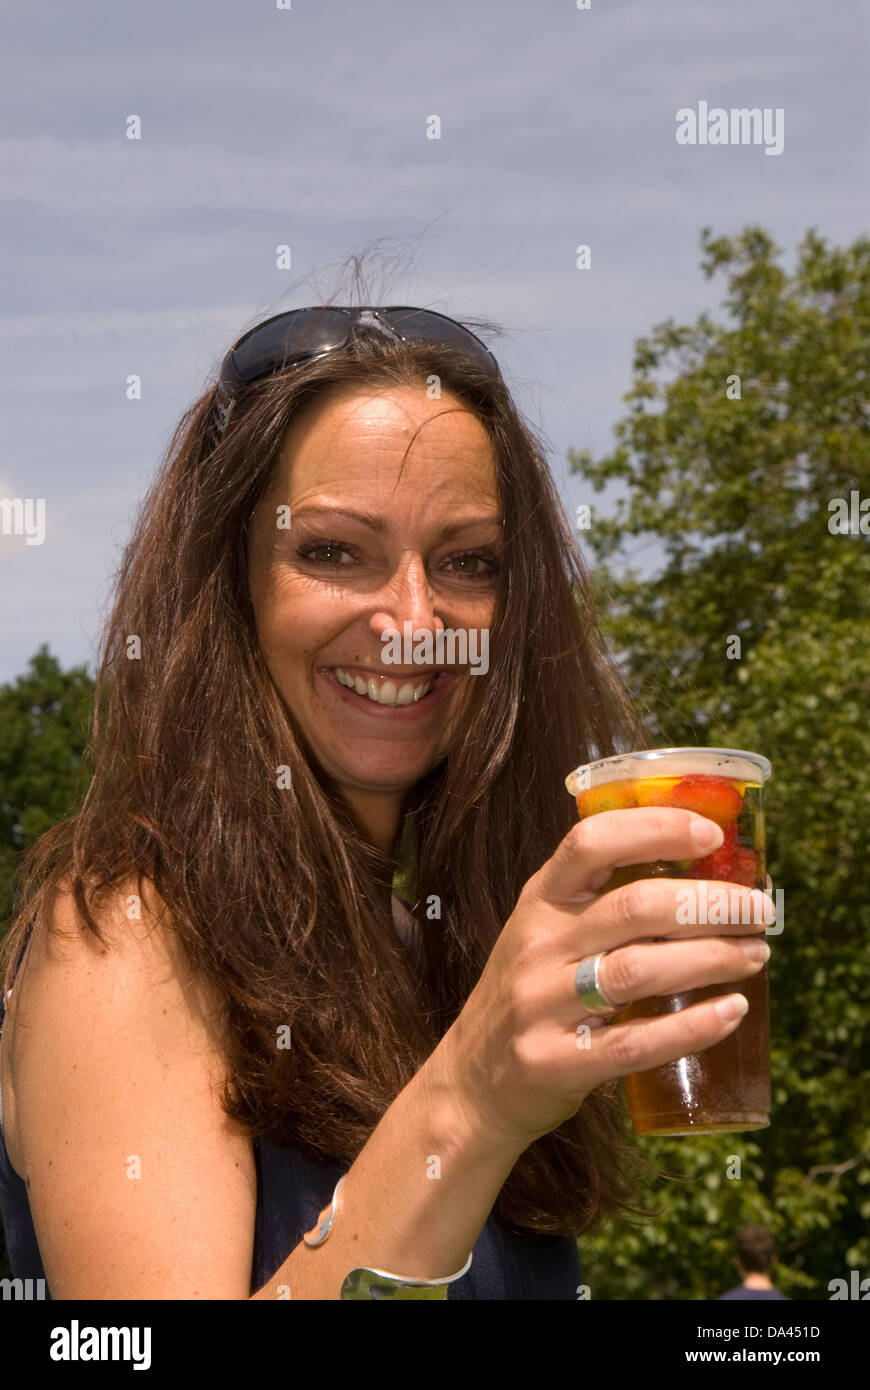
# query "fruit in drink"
(717, 798)
(611, 796)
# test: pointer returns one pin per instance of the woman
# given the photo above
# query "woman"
(234, 1064)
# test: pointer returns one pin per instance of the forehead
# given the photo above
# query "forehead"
(370, 442)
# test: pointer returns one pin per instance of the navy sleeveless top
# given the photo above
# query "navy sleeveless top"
(292, 1191)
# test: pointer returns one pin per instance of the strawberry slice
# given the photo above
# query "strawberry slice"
(745, 868)
(713, 797)
(722, 862)
(610, 796)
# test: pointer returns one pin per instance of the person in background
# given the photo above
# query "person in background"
(754, 1256)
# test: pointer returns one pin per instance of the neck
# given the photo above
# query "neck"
(379, 816)
(756, 1281)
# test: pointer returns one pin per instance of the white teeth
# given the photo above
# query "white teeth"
(386, 694)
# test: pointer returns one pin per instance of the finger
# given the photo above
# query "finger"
(667, 909)
(623, 1048)
(594, 847)
(645, 970)
(644, 1043)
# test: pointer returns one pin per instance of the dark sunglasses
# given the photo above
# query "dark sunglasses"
(301, 335)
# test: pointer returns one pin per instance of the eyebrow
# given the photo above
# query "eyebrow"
(379, 524)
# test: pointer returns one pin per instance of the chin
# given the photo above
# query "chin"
(367, 780)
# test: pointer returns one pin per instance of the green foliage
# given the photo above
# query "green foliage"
(44, 718)
(736, 492)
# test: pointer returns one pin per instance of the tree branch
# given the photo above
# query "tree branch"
(835, 1169)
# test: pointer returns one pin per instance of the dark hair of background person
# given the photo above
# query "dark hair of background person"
(278, 902)
(754, 1248)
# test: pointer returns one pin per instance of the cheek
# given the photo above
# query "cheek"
(294, 624)
(275, 616)
(477, 613)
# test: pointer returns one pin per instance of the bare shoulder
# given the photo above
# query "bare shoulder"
(116, 1072)
(135, 926)
(69, 974)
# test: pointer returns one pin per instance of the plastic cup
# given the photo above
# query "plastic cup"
(725, 1088)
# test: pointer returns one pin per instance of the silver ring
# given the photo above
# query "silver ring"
(588, 988)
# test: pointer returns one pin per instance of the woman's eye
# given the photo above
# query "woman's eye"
(318, 551)
(468, 562)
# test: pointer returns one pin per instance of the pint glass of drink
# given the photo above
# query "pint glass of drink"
(726, 1087)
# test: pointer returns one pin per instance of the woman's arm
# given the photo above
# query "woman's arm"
(140, 1187)
(415, 1199)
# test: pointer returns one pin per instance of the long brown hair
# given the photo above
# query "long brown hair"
(278, 901)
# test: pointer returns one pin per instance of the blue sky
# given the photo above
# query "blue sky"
(307, 126)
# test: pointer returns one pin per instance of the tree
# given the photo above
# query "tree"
(755, 633)
(44, 718)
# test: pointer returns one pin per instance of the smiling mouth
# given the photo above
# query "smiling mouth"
(383, 690)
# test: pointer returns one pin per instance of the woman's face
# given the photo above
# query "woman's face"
(367, 550)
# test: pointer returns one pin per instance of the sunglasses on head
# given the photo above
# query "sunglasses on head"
(301, 335)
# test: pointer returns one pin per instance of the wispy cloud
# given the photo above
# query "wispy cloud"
(117, 325)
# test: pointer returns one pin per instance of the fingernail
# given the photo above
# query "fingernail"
(733, 1006)
(706, 835)
(754, 949)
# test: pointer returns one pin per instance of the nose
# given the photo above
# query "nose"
(408, 599)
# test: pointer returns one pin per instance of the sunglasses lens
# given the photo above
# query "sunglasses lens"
(430, 327)
(289, 338)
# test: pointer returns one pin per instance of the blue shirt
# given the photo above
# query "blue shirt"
(292, 1190)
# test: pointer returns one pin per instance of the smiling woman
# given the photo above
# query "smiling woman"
(246, 1007)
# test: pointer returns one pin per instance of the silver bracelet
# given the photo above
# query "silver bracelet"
(378, 1283)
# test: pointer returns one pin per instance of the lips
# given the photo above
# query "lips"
(425, 706)
(385, 690)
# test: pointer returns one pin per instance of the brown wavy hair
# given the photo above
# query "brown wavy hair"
(278, 901)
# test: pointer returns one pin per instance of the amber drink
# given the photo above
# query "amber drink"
(726, 1087)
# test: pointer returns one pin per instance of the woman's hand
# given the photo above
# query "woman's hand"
(513, 1052)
